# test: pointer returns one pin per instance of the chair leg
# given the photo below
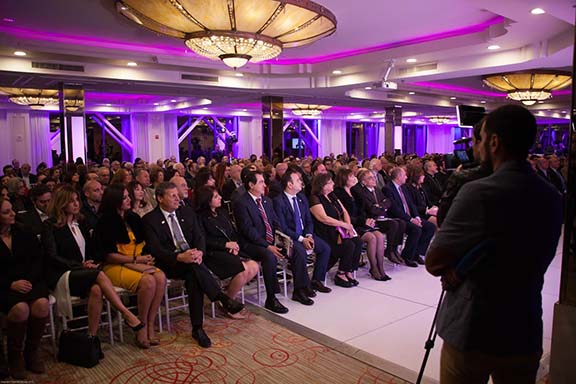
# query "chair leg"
(120, 327)
(167, 306)
(258, 287)
(213, 305)
(285, 282)
(110, 326)
(242, 293)
(160, 325)
(52, 329)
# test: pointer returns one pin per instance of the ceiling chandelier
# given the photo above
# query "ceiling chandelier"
(34, 101)
(439, 119)
(307, 110)
(529, 87)
(39, 98)
(234, 31)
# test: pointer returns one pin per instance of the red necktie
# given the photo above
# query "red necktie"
(269, 236)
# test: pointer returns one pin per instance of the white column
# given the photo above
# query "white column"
(5, 152)
(249, 136)
(381, 139)
(171, 136)
(333, 134)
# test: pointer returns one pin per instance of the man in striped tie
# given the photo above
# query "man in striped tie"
(256, 222)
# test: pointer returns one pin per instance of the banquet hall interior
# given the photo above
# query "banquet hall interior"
(154, 80)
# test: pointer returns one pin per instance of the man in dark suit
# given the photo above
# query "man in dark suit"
(431, 185)
(33, 218)
(177, 242)
(256, 222)
(419, 230)
(376, 205)
(182, 187)
(29, 178)
(295, 219)
(93, 192)
(232, 183)
(554, 174)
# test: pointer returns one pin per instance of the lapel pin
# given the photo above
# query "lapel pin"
(163, 222)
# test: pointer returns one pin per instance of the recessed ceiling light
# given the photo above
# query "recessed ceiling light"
(337, 72)
(411, 60)
(156, 104)
(411, 93)
(397, 106)
(368, 88)
(482, 101)
(540, 102)
(173, 100)
(132, 64)
(564, 112)
(239, 74)
(19, 53)
(452, 98)
(493, 47)
(537, 11)
(244, 110)
(205, 108)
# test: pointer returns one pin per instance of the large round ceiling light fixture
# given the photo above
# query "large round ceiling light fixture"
(234, 31)
(529, 87)
(307, 111)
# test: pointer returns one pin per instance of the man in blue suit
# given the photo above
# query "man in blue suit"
(419, 230)
(293, 212)
(257, 222)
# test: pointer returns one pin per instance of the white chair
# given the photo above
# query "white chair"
(125, 295)
(174, 285)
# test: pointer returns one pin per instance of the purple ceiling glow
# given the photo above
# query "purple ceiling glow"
(417, 40)
(454, 88)
(92, 42)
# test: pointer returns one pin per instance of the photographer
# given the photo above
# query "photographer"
(491, 321)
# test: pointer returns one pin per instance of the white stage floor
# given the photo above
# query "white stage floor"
(391, 320)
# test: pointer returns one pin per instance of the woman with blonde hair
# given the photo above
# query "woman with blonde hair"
(73, 269)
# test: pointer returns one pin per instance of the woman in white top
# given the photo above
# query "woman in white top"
(70, 254)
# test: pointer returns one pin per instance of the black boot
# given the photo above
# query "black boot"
(16, 333)
(36, 328)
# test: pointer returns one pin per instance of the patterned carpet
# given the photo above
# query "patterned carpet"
(250, 351)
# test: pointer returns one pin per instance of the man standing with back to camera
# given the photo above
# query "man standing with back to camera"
(491, 322)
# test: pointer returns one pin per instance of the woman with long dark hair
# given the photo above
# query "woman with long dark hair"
(139, 204)
(332, 223)
(127, 264)
(23, 293)
(74, 270)
(224, 255)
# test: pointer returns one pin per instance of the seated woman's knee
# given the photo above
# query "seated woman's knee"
(20, 311)
(95, 292)
(147, 282)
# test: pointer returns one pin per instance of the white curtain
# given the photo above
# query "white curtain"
(439, 139)
(40, 148)
(171, 136)
(140, 136)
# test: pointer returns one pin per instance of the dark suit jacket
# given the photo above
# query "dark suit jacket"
(397, 208)
(433, 188)
(250, 224)
(285, 212)
(372, 208)
(160, 241)
(31, 221)
(227, 189)
(274, 188)
(557, 180)
(62, 251)
(218, 230)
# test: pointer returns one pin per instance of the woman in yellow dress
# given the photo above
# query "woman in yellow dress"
(121, 242)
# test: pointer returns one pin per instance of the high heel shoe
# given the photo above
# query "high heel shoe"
(135, 329)
(352, 280)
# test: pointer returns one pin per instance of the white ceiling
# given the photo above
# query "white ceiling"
(448, 37)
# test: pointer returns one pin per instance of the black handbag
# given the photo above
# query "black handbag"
(79, 349)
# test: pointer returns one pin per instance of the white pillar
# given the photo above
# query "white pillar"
(249, 136)
(333, 134)
(142, 139)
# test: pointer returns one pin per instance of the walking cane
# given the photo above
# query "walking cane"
(431, 339)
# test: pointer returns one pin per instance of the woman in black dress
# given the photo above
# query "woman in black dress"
(365, 226)
(413, 187)
(332, 223)
(23, 293)
(70, 248)
(223, 256)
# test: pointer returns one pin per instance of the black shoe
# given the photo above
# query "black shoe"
(308, 291)
(420, 260)
(410, 263)
(319, 286)
(201, 337)
(393, 257)
(299, 295)
(231, 306)
(342, 283)
(275, 306)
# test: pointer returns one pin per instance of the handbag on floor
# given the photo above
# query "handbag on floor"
(79, 349)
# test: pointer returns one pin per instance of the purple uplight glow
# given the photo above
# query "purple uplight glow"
(417, 40)
(454, 88)
(92, 42)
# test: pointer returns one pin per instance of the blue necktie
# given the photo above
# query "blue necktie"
(297, 217)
